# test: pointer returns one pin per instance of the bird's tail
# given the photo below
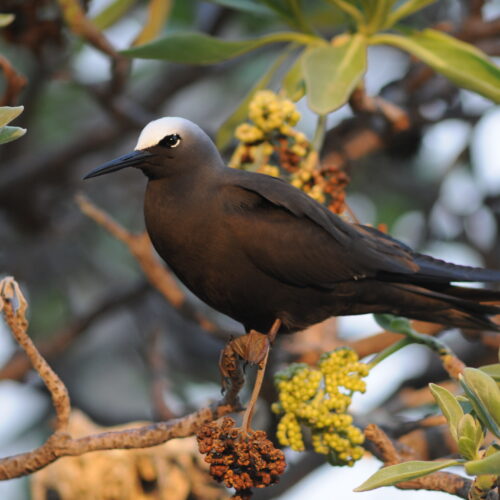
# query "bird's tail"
(445, 304)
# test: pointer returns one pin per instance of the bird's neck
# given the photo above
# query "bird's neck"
(175, 213)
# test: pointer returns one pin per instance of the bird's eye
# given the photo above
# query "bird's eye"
(171, 141)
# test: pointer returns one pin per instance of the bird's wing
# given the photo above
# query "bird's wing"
(290, 236)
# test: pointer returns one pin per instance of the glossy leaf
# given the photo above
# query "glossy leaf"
(404, 10)
(484, 394)
(8, 134)
(112, 13)
(226, 131)
(8, 113)
(461, 62)
(250, 6)
(405, 471)
(158, 12)
(449, 406)
(486, 465)
(332, 72)
(198, 48)
(6, 19)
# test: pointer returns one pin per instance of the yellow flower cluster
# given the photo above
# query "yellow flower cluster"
(318, 398)
(270, 145)
(270, 112)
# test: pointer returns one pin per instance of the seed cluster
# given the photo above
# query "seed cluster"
(270, 145)
(318, 398)
(240, 460)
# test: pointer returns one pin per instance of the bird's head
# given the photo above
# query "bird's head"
(166, 147)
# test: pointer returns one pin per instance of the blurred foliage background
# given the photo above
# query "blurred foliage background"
(124, 353)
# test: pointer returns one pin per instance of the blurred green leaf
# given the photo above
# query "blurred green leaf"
(226, 131)
(484, 394)
(293, 81)
(332, 72)
(198, 48)
(8, 113)
(492, 370)
(486, 465)
(8, 134)
(462, 63)
(404, 10)
(6, 19)
(244, 5)
(376, 13)
(467, 448)
(112, 13)
(282, 9)
(158, 12)
(351, 9)
(449, 406)
(405, 471)
(470, 436)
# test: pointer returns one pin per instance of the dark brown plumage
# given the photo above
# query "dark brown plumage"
(255, 248)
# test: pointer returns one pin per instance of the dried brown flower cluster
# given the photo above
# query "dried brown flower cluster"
(272, 146)
(240, 460)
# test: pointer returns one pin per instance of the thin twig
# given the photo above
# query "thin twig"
(18, 365)
(14, 311)
(60, 443)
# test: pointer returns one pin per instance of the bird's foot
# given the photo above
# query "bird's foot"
(260, 353)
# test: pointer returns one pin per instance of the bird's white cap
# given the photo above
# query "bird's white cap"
(156, 130)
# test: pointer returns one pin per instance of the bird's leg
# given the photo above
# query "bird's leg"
(262, 363)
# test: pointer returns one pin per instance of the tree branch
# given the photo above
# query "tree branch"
(60, 443)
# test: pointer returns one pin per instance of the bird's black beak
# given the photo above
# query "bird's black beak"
(133, 159)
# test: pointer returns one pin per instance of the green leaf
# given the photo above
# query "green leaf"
(461, 62)
(405, 471)
(404, 10)
(332, 73)
(467, 448)
(470, 436)
(8, 113)
(377, 13)
(484, 394)
(198, 48)
(226, 131)
(8, 134)
(112, 13)
(6, 19)
(449, 406)
(486, 465)
(352, 10)
(243, 5)
(492, 370)
(293, 81)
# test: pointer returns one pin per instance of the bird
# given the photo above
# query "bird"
(259, 250)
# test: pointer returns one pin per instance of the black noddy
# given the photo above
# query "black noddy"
(258, 249)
